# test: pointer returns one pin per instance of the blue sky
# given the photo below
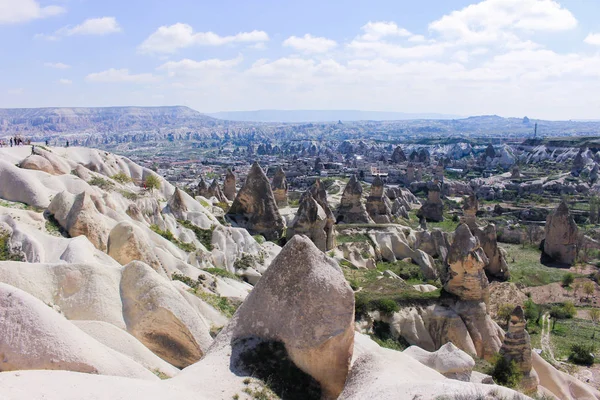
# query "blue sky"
(539, 58)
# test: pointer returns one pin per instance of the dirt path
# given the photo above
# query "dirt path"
(545, 339)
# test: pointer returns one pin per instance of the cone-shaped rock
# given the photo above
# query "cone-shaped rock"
(229, 185)
(517, 348)
(465, 276)
(287, 305)
(433, 209)
(470, 207)
(318, 192)
(254, 207)
(280, 188)
(215, 191)
(497, 267)
(378, 205)
(490, 152)
(311, 220)
(202, 188)
(177, 204)
(561, 235)
(398, 156)
(351, 209)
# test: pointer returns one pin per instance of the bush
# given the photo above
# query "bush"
(387, 306)
(582, 354)
(152, 182)
(532, 311)
(567, 279)
(101, 183)
(121, 178)
(506, 373)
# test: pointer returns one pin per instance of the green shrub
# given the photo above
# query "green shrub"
(101, 183)
(567, 279)
(244, 262)
(260, 239)
(5, 252)
(121, 178)
(220, 303)
(204, 236)
(387, 306)
(582, 354)
(506, 373)
(222, 273)
(188, 247)
(152, 182)
(129, 195)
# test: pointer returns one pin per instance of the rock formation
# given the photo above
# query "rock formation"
(311, 220)
(398, 156)
(229, 189)
(517, 348)
(254, 207)
(448, 360)
(560, 243)
(318, 192)
(578, 163)
(214, 190)
(515, 173)
(466, 260)
(470, 207)
(177, 204)
(318, 165)
(280, 188)
(127, 242)
(490, 152)
(351, 210)
(202, 188)
(433, 209)
(378, 204)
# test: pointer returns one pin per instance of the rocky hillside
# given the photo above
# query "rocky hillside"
(114, 284)
(38, 121)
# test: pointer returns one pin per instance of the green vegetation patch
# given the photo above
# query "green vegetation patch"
(223, 304)
(356, 238)
(222, 273)
(129, 195)
(525, 267)
(101, 183)
(570, 332)
(121, 178)
(204, 236)
(187, 247)
(5, 252)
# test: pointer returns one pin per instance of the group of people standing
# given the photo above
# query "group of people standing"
(14, 141)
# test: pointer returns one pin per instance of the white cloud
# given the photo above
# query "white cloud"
(93, 26)
(186, 65)
(57, 65)
(490, 20)
(380, 29)
(65, 81)
(113, 75)
(593, 39)
(310, 44)
(389, 50)
(15, 11)
(169, 39)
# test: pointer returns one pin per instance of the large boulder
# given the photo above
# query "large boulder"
(160, 317)
(37, 163)
(465, 275)
(560, 243)
(79, 216)
(398, 156)
(254, 207)
(378, 205)
(311, 220)
(302, 309)
(280, 188)
(229, 189)
(351, 210)
(127, 243)
(433, 208)
(34, 336)
(517, 347)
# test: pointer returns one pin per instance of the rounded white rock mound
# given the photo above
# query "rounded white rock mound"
(34, 336)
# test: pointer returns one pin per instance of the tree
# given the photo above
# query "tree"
(588, 288)
(505, 311)
(152, 182)
(595, 317)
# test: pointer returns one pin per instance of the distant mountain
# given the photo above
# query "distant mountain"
(323, 116)
(35, 121)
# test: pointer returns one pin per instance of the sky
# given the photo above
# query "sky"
(539, 58)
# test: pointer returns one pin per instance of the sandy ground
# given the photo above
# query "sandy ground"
(555, 293)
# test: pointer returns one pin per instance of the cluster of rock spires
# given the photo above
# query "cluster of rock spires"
(561, 230)
(378, 205)
(255, 208)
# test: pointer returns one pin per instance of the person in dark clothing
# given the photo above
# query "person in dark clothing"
(11, 142)
(67, 143)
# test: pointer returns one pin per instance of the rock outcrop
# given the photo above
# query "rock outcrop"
(80, 216)
(177, 204)
(561, 230)
(466, 260)
(229, 189)
(398, 156)
(160, 317)
(433, 209)
(280, 188)
(378, 205)
(448, 360)
(254, 207)
(470, 207)
(311, 220)
(127, 243)
(517, 348)
(351, 209)
(214, 190)
(202, 188)
(318, 192)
